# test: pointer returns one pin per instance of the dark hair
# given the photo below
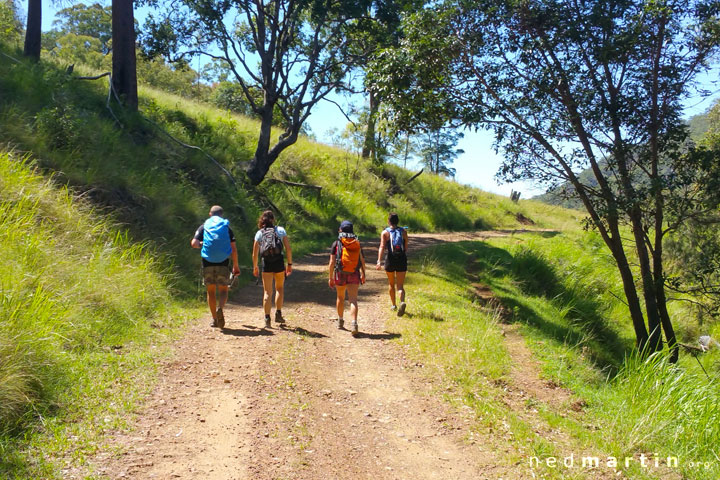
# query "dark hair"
(393, 219)
(216, 210)
(267, 219)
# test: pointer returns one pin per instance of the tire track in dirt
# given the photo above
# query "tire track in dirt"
(306, 401)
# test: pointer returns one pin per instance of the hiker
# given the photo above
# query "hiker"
(394, 239)
(217, 241)
(347, 272)
(268, 245)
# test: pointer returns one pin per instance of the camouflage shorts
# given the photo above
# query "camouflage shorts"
(216, 275)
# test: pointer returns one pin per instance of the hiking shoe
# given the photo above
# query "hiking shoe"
(278, 317)
(341, 323)
(267, 321)
(220, 318)
(213, 323)
(393, 308)
(355, 331)
(401, 310)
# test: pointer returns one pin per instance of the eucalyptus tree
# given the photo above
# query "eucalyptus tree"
(569, 84)
(33, 30)
(124, 60)
(286, 56)
(93, 20)
(439, 150)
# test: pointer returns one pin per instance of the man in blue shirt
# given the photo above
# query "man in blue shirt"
(217, 242)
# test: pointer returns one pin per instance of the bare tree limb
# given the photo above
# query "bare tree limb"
(193, 147)
(96, 77)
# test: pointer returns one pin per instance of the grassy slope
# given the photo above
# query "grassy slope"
(162, 191)
(566, 302)
(564, 298)
(75, 285)
(81, 307)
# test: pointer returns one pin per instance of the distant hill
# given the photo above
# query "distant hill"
(563, 194)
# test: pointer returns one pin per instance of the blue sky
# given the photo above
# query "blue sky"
(477, 166)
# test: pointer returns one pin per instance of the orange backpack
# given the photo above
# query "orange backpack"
(348, 253)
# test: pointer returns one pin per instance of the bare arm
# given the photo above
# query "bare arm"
(195, 243)
(381, 250)
(236, 266)
(286, 243)
(362, 266)
(256, 251)
(331, 271)
(405, 239)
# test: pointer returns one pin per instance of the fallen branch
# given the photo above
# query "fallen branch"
(111, 89)
(96, 77)
(396, 188)
(414, 176)
(193, 147)
(296, 184)
(11, 58)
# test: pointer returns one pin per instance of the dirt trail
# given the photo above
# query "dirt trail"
(306, 401)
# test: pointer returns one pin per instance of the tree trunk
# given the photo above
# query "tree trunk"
(123, 52)
(658, 273)
(648, 283)
(33, 33)
(369, 149)
(407, 148)
(631, 295)
(261, 161)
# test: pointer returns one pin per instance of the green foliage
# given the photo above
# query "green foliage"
(438, 151)
(565, 296)
(59, 126)
(229, 96)
(10, 26)
(73, 286)
(179, 79)
(93, 21)
(71, 48)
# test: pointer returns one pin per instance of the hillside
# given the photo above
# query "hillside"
(104, 204)
(162, 190)
(562, 195)
(515, 345)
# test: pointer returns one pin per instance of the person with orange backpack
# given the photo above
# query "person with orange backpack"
(346, 273)
(394, 240)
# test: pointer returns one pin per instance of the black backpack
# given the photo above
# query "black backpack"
(270, 243)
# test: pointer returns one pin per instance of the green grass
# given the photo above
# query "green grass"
(75, 285)
(81, 277)
(81, 307)
(563, 292)
(163, 191)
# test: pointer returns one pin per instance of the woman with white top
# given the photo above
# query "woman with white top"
(268, 245)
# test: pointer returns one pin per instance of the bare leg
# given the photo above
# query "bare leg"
(340, 301)
(211, 300)
(279, 290)
(267, 279)
(352, 290)
(222, 295)
(400, 276)
(391, 286)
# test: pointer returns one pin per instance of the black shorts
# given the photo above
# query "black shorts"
(274, 264)
(396, 263)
